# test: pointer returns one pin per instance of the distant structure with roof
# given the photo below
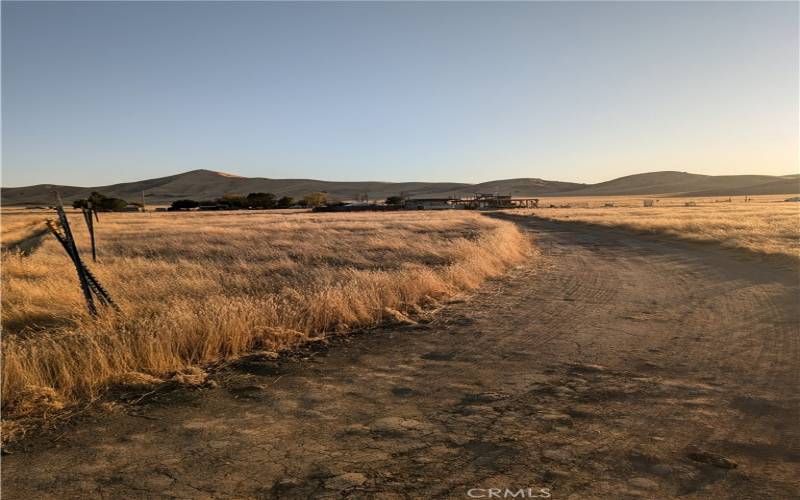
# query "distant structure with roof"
(481, 201)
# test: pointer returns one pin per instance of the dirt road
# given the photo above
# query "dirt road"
(608, 366)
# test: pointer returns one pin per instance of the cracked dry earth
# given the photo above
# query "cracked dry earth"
(610, 365)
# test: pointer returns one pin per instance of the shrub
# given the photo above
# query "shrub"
(285, 202)
(394, 200)
(315, 199)
(233, 201)
(184, 204)
(101, 202)
(261, 200)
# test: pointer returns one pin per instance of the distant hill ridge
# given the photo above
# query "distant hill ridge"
(208, 184)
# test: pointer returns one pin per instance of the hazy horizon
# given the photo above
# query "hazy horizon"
(108, 92)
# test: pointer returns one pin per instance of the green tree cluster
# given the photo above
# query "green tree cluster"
(101, 203)
(285, 202)
(236, 202)
(184, 204)
(261, 200)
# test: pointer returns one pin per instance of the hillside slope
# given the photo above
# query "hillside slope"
(207, 185)
(788, 185)
(684, 183)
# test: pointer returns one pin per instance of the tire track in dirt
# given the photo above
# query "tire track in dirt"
(590, 370)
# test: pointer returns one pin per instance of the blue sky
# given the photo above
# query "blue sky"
(103, 92)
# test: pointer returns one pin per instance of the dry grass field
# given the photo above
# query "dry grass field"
(195, 288)
(20, 226)
(765, 225)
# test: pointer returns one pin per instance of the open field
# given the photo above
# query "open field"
(607, 365)
(766, 225)
(200, 287)
(20, 227)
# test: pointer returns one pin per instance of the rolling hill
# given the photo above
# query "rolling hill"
(207, 185)
(686, 184)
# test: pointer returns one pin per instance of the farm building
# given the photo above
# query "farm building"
(482, 200)
(357, 207)
(479, 201)
(433, 203)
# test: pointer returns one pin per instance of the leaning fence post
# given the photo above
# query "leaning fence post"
(87, 216)
(88, 282)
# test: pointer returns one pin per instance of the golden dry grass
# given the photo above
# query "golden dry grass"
(18, 226)
(766, 225)
(199, 287)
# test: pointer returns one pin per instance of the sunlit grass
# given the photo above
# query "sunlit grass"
(766, 225)
(200, 287)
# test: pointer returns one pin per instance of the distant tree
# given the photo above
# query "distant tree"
(233, 201)
(101, 202)
(394, 200)
(114, 204)
(302, 203)
(285, 202)
(315, 199)
(261, 200)
(184, 204)
(98, 199)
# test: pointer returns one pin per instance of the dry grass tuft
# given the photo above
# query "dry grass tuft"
(394, 316)
(191, 376)
(35, 399)
(134, 381)
(196, 288)
(11, 430)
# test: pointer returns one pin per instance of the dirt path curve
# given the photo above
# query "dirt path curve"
(595, 370)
